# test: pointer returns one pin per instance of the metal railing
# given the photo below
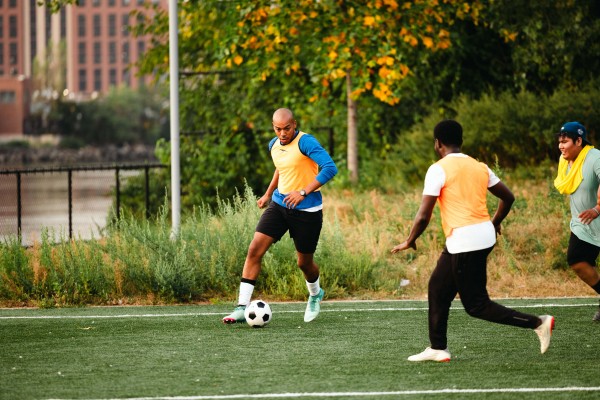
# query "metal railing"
(69, 170)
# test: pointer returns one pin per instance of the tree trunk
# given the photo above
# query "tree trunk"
(352, 134)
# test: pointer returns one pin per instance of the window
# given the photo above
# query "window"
(97, 25)
(141, 47)
(111, 3)
(140, 2)
(1, 55)
(1, 25)
(126, 77)
(125, 24)
(125, 53)
(112, 25)
(97, 53)
(82, 80)
(126, 2)
(82, 53)
(96, 3)
(112, 52)
(12, 53)
(81, 3)
(112, 77)
(7, 96)
(12, 3)
(140, 19)
(12, 26)
(97, 79)
(81, 25)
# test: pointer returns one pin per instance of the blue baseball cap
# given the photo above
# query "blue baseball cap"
(575, 128)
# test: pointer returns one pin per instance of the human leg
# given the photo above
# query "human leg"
(270, 228)
(588, 274)
(581, 257)
(316, 293)
(470, 273)
(305, 229)
(441, 292)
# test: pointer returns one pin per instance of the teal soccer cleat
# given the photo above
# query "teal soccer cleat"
(314, 306)
(236, 316)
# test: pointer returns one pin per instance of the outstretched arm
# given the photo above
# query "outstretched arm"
(419, 224)
(501, 191)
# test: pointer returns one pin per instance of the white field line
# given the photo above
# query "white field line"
(363, 394)
(325, 310)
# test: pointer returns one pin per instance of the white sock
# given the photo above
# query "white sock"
(314, 288)
(246, 290)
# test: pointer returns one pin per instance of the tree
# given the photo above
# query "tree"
(552, 43)
(368, 47)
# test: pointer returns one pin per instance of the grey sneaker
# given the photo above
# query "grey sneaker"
(430, 354)
(314, 306)
(544, 331)
(236, 316)
(597, 316)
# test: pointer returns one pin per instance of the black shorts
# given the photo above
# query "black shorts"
(580, 251)
(304, 226)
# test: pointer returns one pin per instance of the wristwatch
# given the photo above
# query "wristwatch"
(303, 193)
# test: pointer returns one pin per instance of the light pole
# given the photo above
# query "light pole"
(174, 99)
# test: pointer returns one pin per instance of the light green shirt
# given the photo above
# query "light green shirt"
(586, 197)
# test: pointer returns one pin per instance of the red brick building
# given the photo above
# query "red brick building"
(85, 50)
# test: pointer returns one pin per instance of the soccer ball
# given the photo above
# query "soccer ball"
(258, 314)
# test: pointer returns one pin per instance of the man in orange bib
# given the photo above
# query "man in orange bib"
(459, 184)
(295, 205)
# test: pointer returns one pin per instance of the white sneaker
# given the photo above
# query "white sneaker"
(430, 354)
(544, 331)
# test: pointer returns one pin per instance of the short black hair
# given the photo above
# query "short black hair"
(448, 132)
(571, 135)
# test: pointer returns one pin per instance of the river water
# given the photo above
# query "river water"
(45, 204)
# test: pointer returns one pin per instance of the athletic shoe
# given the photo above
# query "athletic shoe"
(314, 306)
(597, 316)
(236, 316)
(544, 331)
(430, 354)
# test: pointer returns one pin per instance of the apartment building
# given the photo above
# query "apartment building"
(84, 50)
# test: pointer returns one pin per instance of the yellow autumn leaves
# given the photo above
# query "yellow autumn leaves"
(370, 43)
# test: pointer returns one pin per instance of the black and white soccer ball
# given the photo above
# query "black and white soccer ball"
(258, 314)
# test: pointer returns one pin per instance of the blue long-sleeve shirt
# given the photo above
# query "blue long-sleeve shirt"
(310, 147)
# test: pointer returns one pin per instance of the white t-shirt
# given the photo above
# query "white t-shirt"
(465, 238)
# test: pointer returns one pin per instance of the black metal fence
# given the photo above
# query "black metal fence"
(38, 195)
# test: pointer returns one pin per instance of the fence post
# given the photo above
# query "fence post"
(147, 176)
(19, 205)
(70, 179)
(118, 194)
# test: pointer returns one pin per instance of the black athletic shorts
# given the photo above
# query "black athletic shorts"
(304, 226)
(581, 251)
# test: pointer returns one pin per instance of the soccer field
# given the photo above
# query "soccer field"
(354, 350)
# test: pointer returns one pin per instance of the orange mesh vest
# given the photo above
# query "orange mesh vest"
(462, 199)
(295, 169)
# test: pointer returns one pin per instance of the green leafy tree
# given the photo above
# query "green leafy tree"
(364, 48)
(552, 43)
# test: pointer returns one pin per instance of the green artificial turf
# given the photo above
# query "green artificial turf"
(353, 350)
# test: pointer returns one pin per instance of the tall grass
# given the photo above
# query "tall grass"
(138, 261)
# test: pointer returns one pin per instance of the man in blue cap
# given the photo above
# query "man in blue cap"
(579, 177)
